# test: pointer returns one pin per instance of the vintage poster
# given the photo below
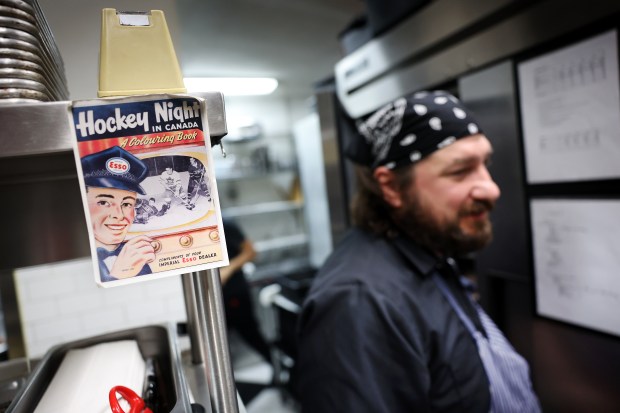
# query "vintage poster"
(148, 188)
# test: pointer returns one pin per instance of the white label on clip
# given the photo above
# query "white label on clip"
(134, 19)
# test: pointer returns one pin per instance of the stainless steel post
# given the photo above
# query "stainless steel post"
(198, 343)
(223, 385)
(207, 331)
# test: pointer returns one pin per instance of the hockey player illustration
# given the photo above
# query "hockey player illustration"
(197, 185)
(171, 181)
(147, 209)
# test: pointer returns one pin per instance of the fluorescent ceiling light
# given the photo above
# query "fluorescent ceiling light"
(231, 86)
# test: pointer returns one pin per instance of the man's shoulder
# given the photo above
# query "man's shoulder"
(357, 238)
(361, 258)
(365, 271)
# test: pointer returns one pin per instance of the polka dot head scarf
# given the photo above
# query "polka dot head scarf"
(410, 128)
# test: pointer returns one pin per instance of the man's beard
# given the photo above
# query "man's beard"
(447, 238)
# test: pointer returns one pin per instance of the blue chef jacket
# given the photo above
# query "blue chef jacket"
(377, 336)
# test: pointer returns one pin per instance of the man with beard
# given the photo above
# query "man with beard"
(388, 325)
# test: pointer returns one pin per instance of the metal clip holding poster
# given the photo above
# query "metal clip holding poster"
(137, 58)
(137, 55)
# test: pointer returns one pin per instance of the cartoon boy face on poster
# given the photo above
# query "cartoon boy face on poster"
(112, 179)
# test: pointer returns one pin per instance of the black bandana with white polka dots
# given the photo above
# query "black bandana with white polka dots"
(413, 127)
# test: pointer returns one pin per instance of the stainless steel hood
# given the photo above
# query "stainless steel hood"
(449, 38)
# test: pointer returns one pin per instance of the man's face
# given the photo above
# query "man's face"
(169, 170)
(447, 205)
(112, 212)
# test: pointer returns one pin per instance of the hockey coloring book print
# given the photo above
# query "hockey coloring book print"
(148, 188)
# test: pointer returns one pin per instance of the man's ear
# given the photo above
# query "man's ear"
(387, 183)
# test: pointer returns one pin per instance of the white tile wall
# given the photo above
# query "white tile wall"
(60, 302)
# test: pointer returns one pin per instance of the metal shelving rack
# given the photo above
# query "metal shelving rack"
(36, 157)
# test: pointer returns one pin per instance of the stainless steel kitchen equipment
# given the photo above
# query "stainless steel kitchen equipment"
(36, 162)
(37, 167)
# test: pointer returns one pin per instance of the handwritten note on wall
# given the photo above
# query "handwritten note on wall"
(570, 107)
(577, 260)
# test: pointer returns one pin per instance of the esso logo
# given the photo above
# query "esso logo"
(117, 165)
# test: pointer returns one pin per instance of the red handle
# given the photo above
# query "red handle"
(135, 402)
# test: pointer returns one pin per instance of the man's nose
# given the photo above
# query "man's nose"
(486, 188)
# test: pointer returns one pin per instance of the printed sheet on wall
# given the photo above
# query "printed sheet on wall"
(576, 261)
(570, 112)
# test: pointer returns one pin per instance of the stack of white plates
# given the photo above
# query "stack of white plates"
(31, 68)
